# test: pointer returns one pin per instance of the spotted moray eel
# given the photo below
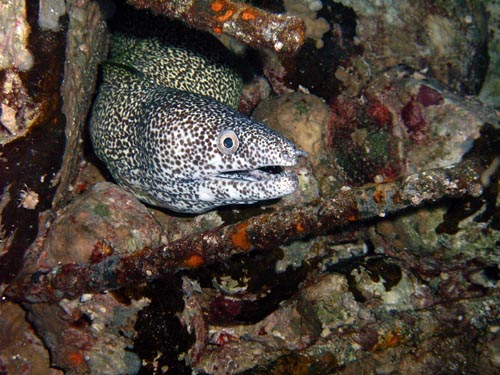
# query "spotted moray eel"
(165, 125)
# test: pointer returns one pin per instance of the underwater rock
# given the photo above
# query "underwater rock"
(21, 350)
(436, 127)
(32, 129)
(247, 346)
(447, 43)
(490, 92)
(104, 220)
(307, 11)
(49, 13)
(348, 42)
(14, 37)
(402, 124)
(93, 333)
(299, 117)
(362, 142)
(395, 318)
(376, 296)
(90, 335)
(112, 328)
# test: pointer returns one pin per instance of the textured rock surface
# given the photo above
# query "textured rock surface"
(447, 40)
(21, 350)
(104, 220)
(389, 295)
(490, 91)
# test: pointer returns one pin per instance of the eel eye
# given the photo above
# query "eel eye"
(228, 142)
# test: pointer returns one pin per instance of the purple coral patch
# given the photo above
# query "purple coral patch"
(412, 116)
(428, 96)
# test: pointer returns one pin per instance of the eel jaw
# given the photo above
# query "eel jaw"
(243, 187)
(250, 186)
(249, 175)
(198, 195)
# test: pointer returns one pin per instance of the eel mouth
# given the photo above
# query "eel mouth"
(256, 175)
(247, 186)
(264, 174)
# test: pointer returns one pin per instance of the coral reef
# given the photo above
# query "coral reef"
(307, 11)
(257, 233)
(15, 53)
(380, 261)
(31, 144)
(17, 334)
(103, 220)
(448, 42)
(300, 117)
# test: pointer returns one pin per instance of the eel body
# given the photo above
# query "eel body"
(164, 123)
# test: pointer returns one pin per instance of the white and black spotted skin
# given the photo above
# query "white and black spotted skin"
(163, 125)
